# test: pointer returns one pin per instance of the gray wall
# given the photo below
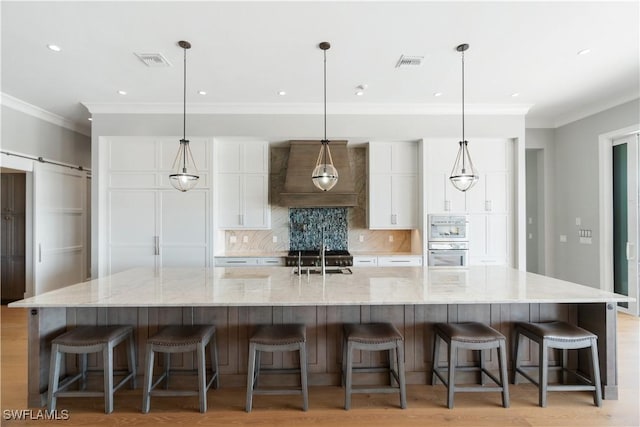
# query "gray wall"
(26, 134)
(576, 189)
(533, 164)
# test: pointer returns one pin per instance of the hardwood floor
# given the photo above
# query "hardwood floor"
(426, 404)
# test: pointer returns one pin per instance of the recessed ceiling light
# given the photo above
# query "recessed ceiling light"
(202, 92)
(122, 92)
(437, 94)
(282, 93)
(54, 47)
(515, 94)
(584, 52)
(90, 119)
(360, 93)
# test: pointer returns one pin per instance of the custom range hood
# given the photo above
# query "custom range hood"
(299, 191)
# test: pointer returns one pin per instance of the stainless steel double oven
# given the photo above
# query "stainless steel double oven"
(448, 240)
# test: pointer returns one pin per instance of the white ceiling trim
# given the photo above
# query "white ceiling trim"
(39, 113)
(592, 109)
(308, 109)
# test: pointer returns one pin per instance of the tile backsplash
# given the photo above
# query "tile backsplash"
(309, 228)
(360, 238)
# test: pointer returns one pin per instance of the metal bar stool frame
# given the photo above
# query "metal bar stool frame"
(82, 341)
(254, 369)
(556, 340)
(204, 335)
(395, 347)
(453, 345)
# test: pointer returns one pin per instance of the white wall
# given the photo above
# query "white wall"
(26, 134)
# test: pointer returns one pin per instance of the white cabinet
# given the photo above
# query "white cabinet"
(490, 194)
(393, 185)
(242, 184)
(400, 261)
(487, 203)
(489, 239)
(148, 223)
(365, 261)
(442, 196)
(250, 261)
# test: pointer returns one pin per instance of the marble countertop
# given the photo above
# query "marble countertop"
(277, 286)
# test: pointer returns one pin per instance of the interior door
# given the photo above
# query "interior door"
(59, 226)
(625, 219)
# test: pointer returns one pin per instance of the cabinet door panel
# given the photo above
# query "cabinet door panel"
(228, 156)
(477, 236)
(489, 155)
(404, 200)
(440, 155)
(498, 233)
(184, 256)
(456, 200)
(436, 193)
(404, 157)
(183, 218)
(255, 157)
(169, 148)
(135, 156)
(257, 211)
(380, 155)
(497, 192)
(229, 206)
(132, 229)
(380, 188)
(476, 196)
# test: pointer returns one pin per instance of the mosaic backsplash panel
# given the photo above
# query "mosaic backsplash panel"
(308, 225)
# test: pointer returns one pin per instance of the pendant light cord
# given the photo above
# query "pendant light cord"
(464, 142)
(325, 94)
(184, 98)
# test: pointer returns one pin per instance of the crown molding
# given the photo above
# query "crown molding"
(574, 116)
(42, 114)
(308, 108)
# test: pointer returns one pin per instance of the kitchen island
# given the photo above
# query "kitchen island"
(237, 299)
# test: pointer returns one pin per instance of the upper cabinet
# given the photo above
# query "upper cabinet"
(242, 184)
(492, 192)
(393, 185)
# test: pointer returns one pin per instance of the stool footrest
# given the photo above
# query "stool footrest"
(79, 393)
(277, 391)
(173, 392)
(380, 389)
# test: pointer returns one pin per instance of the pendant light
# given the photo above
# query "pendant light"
(325, 175)
(185, 175)
(463, 175)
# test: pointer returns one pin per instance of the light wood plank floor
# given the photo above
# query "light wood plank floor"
(425, 403)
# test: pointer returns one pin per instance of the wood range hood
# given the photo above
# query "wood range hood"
(299, 191)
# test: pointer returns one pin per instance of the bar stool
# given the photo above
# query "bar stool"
(181, 339)
(373, 337)
(470, 336)
(82, 341)
(272, 338)
(560, 335)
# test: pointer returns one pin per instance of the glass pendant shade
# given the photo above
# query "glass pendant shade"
(463, 175)
(324, 175)
(185, 175)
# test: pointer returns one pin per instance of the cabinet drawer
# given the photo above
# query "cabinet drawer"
(400, 261)
(365, 261)
(236, 262)
(274, 261)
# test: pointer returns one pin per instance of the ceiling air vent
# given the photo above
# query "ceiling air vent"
(409, 61)
(153, 59)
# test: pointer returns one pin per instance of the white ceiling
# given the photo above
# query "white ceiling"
(244, 53)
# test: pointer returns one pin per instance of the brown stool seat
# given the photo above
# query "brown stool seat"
(470, 336)
(373, 337)
(371, 333)
(557, 331)
(279, 334)
(182, 335)
(82, 341)
(469, 332)
(564, 336)
(181, 339)
(272, 338)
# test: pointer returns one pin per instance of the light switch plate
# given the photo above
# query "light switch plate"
(245, 239)
(275, 239)
(563, 238)
(578, 221)
(361, 238)
(232, 239)
(585, 240)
